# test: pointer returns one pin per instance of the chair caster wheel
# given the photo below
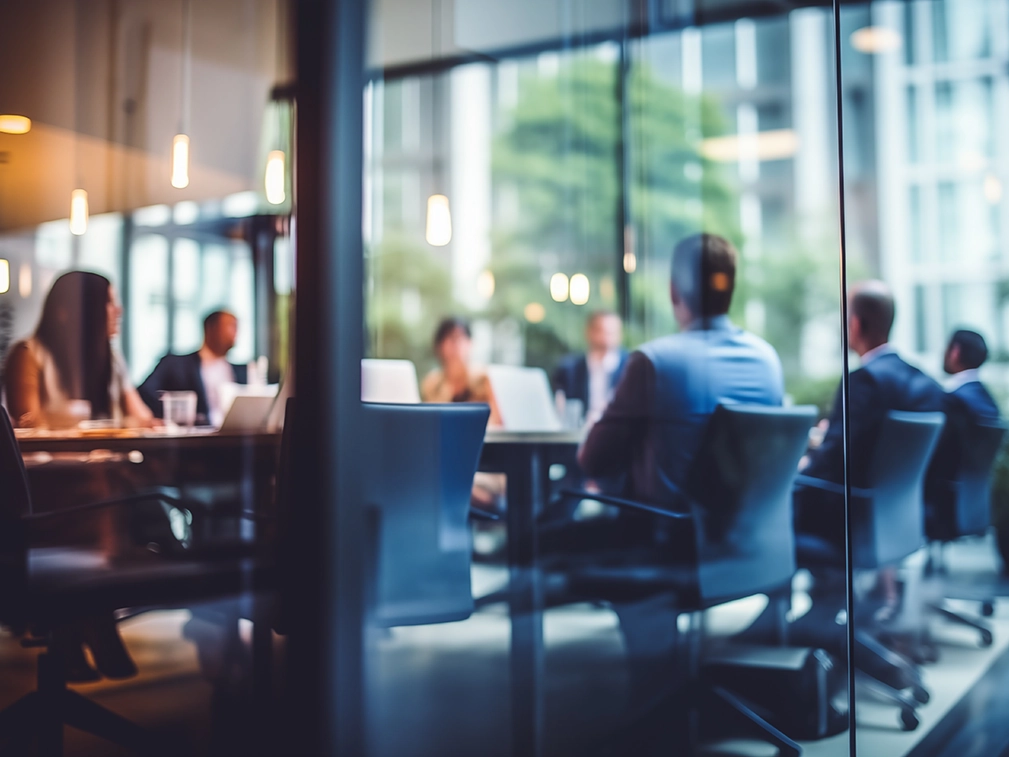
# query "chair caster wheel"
(987, 609)
(986, 638)
(908, 720)
(920, 694)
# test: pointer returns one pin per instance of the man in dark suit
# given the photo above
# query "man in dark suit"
(203, 371)
(966, 395)
(591, 378)
(884, 382)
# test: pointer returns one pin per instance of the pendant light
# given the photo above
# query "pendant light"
(79, 195)
(275, 176)
(438, 229)
(180, 142)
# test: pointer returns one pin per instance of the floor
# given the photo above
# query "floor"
(447, 685)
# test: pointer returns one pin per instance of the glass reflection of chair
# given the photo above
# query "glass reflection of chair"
(416, 478)
(887, 526)
(959, 508)
(736, 510)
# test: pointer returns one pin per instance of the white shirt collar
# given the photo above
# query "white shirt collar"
(608, 362)
(876, 352)
(957, 380)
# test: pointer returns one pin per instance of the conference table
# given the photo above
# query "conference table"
(243, 465)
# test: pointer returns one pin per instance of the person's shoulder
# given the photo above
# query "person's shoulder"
(22, 352)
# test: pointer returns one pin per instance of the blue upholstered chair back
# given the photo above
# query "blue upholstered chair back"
(887, 519)
(418, 472)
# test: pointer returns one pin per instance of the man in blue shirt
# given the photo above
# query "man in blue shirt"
(671, 385)
(652, 428)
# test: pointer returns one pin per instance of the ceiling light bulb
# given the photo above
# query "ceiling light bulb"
(5, 276)
(559, 287)
(180, 161)
(78, 212)
(876, 39)
(485, 284)
(276, 178)
(579, 289)
(10, 124)
(439, 221)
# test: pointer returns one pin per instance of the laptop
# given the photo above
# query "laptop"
(524, 398)
(248, 413)
(390, 381)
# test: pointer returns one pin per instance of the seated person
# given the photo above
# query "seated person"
(967, 403)
(670, 387)
(591, 377)
(965, 394)
(457, 380)
(884, 382)
(651, 432)
(68, 371)
(203, 371)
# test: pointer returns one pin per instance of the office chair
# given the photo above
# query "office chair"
(736, 508)
(417, 476)
(958, 506)
(887, 526)
(45, 591)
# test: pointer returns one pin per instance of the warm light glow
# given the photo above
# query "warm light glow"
(535, 312)
(15, 124)
(78, 212)
(992, 190)
(559, 287)
(180, 161)
(439, 221)
(766, 145)
(276, 177)
(876, 39)
(579, 289)
(485, 284)
(25, 280)
(630, 262)
(5, 276)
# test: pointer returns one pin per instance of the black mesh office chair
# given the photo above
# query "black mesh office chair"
(46, 591)
(736, 509)
(887, 526)
(958, 506)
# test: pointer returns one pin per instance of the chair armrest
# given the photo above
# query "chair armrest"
(475, 513)
(828, 486)
(132, 499)
(628, 504)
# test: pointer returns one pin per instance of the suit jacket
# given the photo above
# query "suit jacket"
(973, 401)
(886, 383)
(671, 386)
(181, 373)
(572, 377)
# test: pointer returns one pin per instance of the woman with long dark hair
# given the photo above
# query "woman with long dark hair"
(68, 370)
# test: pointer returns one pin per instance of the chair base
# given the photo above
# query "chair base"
(42, 714)
(702, 713)
(985, 637)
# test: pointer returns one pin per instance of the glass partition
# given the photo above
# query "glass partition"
(923, 85)
(532, 189)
